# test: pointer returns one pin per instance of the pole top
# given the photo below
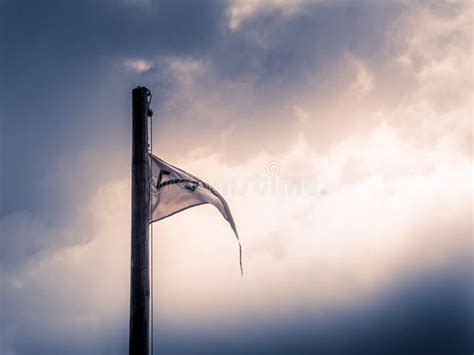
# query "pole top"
(141, 90)
(141, 87)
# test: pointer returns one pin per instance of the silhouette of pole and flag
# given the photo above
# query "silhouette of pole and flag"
(159, 190)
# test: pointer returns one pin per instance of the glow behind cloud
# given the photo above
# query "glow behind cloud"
(348, 173)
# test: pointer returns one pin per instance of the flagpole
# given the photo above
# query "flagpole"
(140, 270)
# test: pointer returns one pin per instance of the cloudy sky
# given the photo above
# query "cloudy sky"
(340, 132)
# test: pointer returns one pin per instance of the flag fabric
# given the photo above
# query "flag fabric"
(174, 190)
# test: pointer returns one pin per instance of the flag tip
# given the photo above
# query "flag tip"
(240, 258)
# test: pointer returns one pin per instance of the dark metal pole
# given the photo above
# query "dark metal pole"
(140, 270)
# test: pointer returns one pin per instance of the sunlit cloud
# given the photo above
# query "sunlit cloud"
(363, 81)
(138, 65)
(242, 9)
(371, 227)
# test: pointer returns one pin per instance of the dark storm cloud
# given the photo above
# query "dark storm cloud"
(427, 314)
(274, 47)
(59, 81)
(61, 91)
(279, 59)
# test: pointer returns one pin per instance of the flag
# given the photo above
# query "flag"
(174, 190)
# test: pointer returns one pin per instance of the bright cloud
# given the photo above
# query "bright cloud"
(364, 80)
(138, 65)
(242, 9)
(386, 204)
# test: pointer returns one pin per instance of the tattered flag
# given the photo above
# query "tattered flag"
(174, 190)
